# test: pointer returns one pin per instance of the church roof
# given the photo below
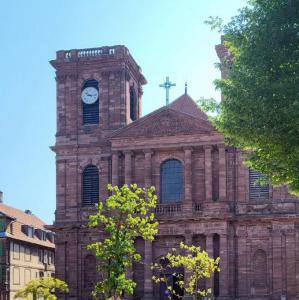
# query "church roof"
(181, 120)
(187, 105)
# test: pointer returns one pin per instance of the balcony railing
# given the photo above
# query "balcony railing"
(168, 209)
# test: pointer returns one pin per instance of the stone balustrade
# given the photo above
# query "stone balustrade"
(168, 209)
(91, 52)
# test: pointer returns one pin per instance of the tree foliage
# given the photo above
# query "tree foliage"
(197, 265)
(43, 287)
(260, 111)
(124, 216)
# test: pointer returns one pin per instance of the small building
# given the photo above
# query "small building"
(26, 250)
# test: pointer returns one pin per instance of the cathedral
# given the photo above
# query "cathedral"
(206, 196)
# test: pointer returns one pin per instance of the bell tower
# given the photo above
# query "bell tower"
(98, 90)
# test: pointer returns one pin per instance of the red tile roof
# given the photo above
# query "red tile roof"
(187, 105)
(21, 218)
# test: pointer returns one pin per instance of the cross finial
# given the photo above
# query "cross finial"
(167, 85)
(186, 88)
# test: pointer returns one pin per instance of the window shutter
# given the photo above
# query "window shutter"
(133, 108)
(257, 191)
(90, 185)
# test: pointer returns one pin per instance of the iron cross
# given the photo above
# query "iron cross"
(167, 85)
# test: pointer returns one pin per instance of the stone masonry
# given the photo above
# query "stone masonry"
(258, 241)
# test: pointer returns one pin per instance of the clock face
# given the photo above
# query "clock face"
(89, 95)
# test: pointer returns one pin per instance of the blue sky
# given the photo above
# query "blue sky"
(166, 38)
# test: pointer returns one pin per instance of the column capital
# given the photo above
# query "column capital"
(188, 149)
(188, 238)
(207, 147)
(221, 146)
(128, 152)
(115, 152)
(148, 151)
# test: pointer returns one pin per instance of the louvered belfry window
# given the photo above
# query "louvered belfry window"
(171, 181)
(91, 111)
(90, 185)
(257, 191)
(133, 108)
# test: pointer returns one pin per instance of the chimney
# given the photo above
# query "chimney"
(1, 197)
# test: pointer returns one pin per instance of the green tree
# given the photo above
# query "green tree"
(197, 265)
(124, 216)
(260, 111)
(43, 287)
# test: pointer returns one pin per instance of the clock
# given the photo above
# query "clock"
(90, 95)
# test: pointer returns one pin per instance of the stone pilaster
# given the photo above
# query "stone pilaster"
(210, 251)
(148, 273)
(188, 241)
(208, 172)
(148, 245)
(188, 179)
(223, 289)
(128, 167)
(115, 162)
(222, 172)
(148, 168)
(277, 263)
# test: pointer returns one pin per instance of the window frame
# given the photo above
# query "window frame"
(163, 165)
(257, 192)
(94, 193)
(94, 107)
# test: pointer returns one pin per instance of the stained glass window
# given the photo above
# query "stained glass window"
(171, 181)
(90, 185)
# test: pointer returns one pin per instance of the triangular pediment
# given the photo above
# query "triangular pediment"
(165, 122)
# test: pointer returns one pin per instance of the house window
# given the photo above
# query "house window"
(2, 224)
(40, 255)
(16, 251)
(171, 181)
(2, 274)
(43, 235)
(90, 185)
(2, 251)
(257, 191)
(27, 254)
(30, 231)
(16, 275)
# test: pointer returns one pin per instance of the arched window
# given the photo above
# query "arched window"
(260, 269)
(171, 181)
(90, 105)
(90, 184)
(133, 105)
(257, 192)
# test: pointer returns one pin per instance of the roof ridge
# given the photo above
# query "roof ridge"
(33, 216)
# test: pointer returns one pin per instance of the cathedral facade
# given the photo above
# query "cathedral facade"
(206, 196)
